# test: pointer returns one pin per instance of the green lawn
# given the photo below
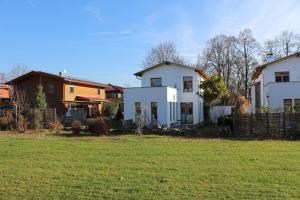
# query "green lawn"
(147, 167)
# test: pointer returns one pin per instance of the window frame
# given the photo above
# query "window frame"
(72, 89)
(188, 89)
(98, 91)
(282, 75)
(157, 78)
(154, 118)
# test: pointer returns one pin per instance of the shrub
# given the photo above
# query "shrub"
(37, 118)
(99, 125)
(56, 126)
(76, 127)
(6, 122)
(22, 124)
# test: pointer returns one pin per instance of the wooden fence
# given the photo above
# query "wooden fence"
(267, 124)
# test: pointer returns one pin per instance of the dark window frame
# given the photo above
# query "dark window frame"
(188, 84)
(281, 77)
(154, 113)
(152, 83)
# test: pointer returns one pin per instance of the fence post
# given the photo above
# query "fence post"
(251, 124)
(283, 123)
(55, 115)
(268, 124)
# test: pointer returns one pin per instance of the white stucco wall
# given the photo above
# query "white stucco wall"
(172, 76)
(146, 95)
(273, 93)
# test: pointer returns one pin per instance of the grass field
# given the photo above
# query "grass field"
(147, 167)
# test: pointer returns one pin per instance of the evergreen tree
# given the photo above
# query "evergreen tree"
(40, 101)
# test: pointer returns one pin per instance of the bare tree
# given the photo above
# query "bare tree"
(271, 47)
(3, 78)
(166, 51)
(18, 99)
(247, 47)
(18, 70)
(289, 42)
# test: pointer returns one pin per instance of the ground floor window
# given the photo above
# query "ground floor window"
(173, 111)
(186, 113)
(153, 111)
(287, 105)
(297, 105)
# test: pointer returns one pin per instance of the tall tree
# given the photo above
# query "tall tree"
(166, 51)
(271, 47)
(289, 42)
(3, 77)
(40, 99)
(247, 47)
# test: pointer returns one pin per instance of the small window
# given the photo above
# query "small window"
(282, 76)
(287, 104)
(98, 91)
(72, 89)
(297, 105)
(51, 88)
(187, 84)
(156, 82)
(153, 111)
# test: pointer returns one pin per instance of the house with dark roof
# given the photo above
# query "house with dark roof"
(169, 94)
(277, 84)
(62, 92)
(114, 92)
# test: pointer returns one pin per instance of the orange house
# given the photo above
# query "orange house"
(62, 92)
(4, 92)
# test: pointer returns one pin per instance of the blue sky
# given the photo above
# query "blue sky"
(106, 41)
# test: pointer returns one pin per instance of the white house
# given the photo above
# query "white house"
(169, 94)
(277, 84)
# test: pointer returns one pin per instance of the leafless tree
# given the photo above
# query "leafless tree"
(3, 77)
(247, 47)
(166, 51)
(289, 42)
(140, 121)
(18, 99)
(18, 70)
(272, 47)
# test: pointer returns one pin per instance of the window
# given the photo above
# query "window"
(153, 111)
(170, 103)
(287, 104)
(174, 111)
(297, 105)
(98, 91)
(72, 89)
(282, 76)
(187, 84)
(51, 88)
(156, 82)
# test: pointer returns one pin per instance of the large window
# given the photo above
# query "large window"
(72, 89)
(282, 76)
(156, 82)
(287, 104)
(297, 105)
(153, 111)
(187, 84)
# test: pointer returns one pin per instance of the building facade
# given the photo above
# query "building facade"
(277, 84)
(169, 93)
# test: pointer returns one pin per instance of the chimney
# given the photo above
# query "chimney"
(270, 57)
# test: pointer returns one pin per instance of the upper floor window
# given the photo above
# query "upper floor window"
(72, 89)
(98, 91)
(187, 84)
(282, 76)
(51, 88)
(156, 82)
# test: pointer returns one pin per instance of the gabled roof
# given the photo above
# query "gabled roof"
(199, 71)
(259, 68)
(113, 88)
(63, 78)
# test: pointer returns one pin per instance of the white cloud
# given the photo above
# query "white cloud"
(95, 12)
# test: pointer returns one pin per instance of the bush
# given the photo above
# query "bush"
(99, 125)
(225, 121)
(76, 127)
(37, 118)
(56, 126)
(6, 122)
(22, 124)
